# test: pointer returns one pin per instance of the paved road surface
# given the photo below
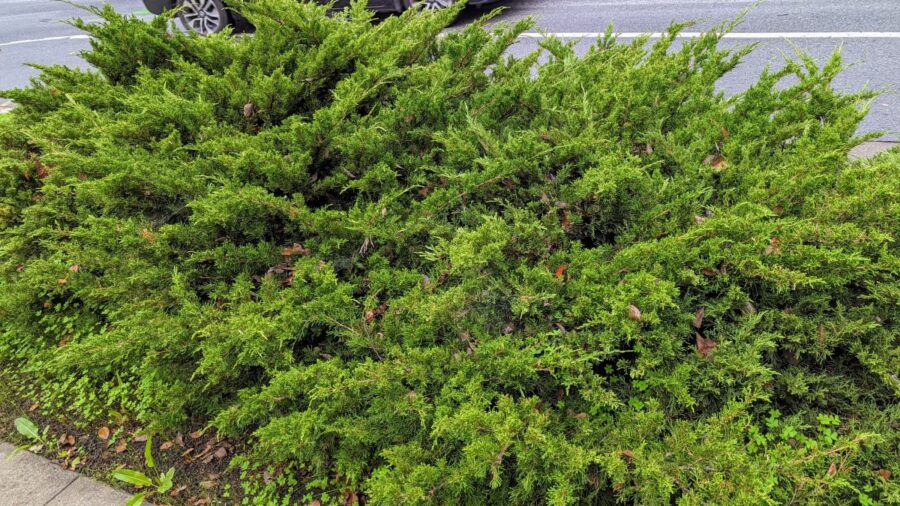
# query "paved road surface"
(825, 26)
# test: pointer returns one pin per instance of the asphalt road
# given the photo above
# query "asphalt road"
(823, 25)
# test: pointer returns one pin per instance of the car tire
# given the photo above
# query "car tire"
(204, 16)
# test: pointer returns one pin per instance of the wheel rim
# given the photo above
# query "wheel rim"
(433, 5)
(202, 16)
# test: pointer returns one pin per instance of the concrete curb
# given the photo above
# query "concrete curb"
(29, 480)
(871, 148)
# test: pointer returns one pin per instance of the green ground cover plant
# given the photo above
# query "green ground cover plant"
(407, 268)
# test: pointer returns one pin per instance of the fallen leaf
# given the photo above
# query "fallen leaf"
(710, 272)
(75, 268)
(196, 434)
(33, 407)
(175, 491)
(634, 313)
(832, 469)
(294, 249)
(560, 271)
(314, 502)
(564, 221)
(884, 473)
(166, 445)
(140, 439)
(628, 454)
(704, 346)
(207, 484)
(716, 161)
(179, 440)
(698, 318)
(41, 170)
(699, 219)
(350, 498)
(121, 446)
(61, 281)
(103, 433)
(248, 109)
(221, 453)
(774, 247)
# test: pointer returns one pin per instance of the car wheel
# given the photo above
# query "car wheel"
(204, 16)
(433, 5)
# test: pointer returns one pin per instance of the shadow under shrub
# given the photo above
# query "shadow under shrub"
(412, 269)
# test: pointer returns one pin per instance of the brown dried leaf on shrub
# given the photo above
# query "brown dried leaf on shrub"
(350, 498)
(716, 161)
(294, 249)
(774, 247)
(698, 318)
(634, 313)
(560, 271)
(704, 345)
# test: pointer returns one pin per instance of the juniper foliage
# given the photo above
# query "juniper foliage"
(407, 265)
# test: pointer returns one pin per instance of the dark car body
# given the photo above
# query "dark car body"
(159, 6)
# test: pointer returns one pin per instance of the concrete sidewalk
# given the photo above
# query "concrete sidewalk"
(29, 480)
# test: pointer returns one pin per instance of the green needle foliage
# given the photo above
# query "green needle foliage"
(411, 269)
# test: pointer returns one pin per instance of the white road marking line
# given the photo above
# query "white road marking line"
(732, 35)
(45, 39)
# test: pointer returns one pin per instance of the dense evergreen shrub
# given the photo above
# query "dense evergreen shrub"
(407, 266)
